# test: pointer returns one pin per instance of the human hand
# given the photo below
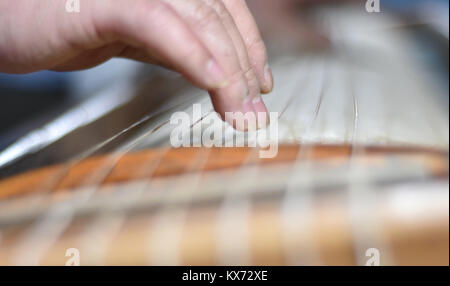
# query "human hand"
(215, 44)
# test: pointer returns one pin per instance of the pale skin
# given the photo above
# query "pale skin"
(215, 44)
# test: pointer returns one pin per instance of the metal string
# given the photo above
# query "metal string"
(297, 203)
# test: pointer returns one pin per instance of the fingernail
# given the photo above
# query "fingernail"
(216, 74)
(262, 114)
(268, 79)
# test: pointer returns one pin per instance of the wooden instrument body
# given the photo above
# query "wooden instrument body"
(162, 207)
(362, 166)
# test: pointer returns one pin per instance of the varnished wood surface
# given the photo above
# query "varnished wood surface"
(324, 235)
(265, 241)
(134, 166)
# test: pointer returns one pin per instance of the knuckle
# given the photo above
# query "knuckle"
(252, 80)
(155, 10)
(236, 77)
(257, 49)
(255, 44)
(205, 15)
(194, 54)
(139, 12)
(218, 7)
(250, 75)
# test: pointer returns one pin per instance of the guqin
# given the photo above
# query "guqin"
(362, 164)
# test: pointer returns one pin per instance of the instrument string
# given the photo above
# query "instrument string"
(40, 236)
(106, 226)
(115, 156)
(100, 175)
(362, 197)
(167, 224)
(233, 228)
(296, 210)
(98, 235)
(234, 211)
(43, 194)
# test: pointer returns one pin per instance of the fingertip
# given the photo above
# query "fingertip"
(238, 113)
(252, 116)
(268, 82)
